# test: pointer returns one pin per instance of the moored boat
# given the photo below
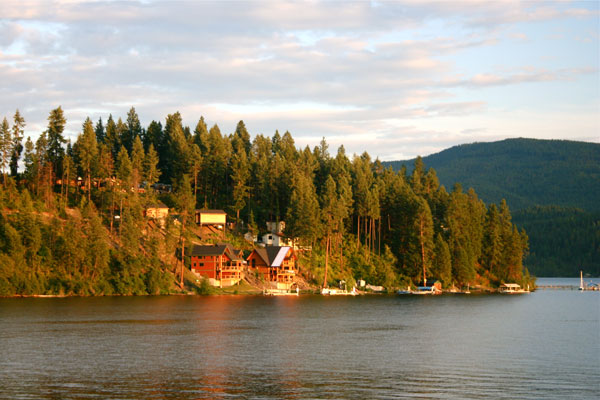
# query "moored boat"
(512, 288)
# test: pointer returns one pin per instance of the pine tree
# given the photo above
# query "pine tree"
(442, 261)
(196, 164)
(137, 162)
(154, 136)
(29, 160)
(5, 148)
(87, 151)
(111, 137)
(106, 165)
(329, 212)
(133, 131)
(424, 226)
(99, 130)
(56, 127)
(124, 167)
(240, 173)
(151, 166)
(242, 136)
(492, 241)
(303, 214)
(201, 135)
(17, 138)
(185, 206)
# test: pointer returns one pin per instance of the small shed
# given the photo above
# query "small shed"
(211, 217)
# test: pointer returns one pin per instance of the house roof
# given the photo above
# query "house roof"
(156, 205)
(234, 254)
(210, 211)
(216, 250)
(208, 250)
(273, 256)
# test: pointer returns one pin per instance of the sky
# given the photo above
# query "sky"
(396, 79)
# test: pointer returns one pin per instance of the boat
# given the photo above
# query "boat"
(584, 287)
(421, 290)
(281, 292)
(512, 288)
(338, 292)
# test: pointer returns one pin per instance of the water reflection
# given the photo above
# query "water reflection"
(543, 345)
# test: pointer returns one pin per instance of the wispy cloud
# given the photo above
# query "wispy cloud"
(336, 69)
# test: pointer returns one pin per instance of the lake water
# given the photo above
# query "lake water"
(543, 345)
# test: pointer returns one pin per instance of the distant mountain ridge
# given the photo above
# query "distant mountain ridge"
(525, 172)
(551, 186)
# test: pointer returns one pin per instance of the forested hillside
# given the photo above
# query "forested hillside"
(563, 241)
(72, 221)
(563, 177)
(525, 172)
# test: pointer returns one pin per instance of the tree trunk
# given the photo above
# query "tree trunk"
(358, 233)
(341, 251)
(422, 250)
(379, 240)
(195, 187)
(120, 218)
(112, 211)
(326, 259)
(67, 190)
(182, 253)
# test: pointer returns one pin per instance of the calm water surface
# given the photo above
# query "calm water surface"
(544, 345)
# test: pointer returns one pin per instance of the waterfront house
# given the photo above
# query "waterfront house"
(221, 264)
(275, 264)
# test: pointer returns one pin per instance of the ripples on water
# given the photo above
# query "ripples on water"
(542, 345)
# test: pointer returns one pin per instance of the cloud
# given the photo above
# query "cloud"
(345, 70)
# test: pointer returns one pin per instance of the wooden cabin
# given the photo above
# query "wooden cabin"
(221, 264)
(274, 264)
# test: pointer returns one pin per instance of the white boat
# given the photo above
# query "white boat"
(338, 292)
(281, 292)
(584, 287)
(512, 288)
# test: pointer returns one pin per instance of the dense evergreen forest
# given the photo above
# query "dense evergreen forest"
(72, 219)
(554, 186)
(525, 172)
(563, 240)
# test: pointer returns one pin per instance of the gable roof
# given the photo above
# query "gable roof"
(210, 211)
(156, 205)
(206, 251)
(273, 256)
(216, 250)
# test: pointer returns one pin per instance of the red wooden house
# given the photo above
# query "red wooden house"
(274, 264)
(220, 263)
